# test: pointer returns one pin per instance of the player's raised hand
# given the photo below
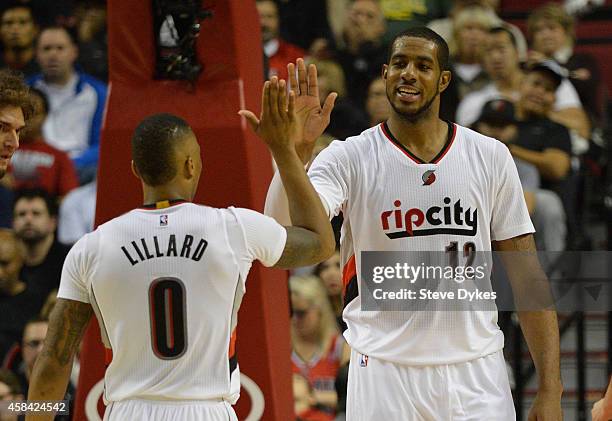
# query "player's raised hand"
(313, 117)
(278, 125)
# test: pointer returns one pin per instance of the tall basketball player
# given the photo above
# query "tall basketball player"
(15, 108)
(165, 280)
(415, 366)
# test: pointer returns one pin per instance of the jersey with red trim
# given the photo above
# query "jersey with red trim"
(166, 285)
(392, 201)
(321, 371)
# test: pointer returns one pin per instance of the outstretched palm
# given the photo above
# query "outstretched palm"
(308, 106)
(311, 118)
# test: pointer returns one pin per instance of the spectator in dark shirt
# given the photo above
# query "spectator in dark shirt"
(364, 52)
(35, 222)
(34, 334)
(16, 301)
(304, 22)
(278, 51)
(547, 145)
(550, 30)
(37, 164)
(18, 32)
(541, 141)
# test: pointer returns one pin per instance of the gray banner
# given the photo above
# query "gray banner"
(465, 280)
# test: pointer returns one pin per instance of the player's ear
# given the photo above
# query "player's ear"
(383, 74)
(444, 81)
(189, 168)
(135, 170)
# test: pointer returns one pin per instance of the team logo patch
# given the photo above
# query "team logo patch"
(163, 220)
(428, 177)
(363, 360)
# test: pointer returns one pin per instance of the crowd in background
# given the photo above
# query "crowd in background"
(531, 90)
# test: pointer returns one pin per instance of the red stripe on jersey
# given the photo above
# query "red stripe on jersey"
(348, 272)
(448, 145)
(108, 356)
(170, 320)
(414, 158)
(232, 344)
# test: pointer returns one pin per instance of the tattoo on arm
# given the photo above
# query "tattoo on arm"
(301, 249)
(66, 327)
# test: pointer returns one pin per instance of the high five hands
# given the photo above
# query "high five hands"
(310, 116)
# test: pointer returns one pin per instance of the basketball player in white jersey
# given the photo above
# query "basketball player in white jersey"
(417, 183)
(165, 280)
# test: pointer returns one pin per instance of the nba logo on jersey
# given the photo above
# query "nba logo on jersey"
(163, 220)
(363, 360)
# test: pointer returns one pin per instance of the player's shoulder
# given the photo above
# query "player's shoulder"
(357, 144)
(472, 139)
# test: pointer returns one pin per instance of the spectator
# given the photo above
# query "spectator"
(93, 57)
(498, 120)
(34, 334)
(37, 164)
(304, 23)
(551, 33)
(318, 347)
(10, 391)
(377, 104)
(502, 64)
(18, 32)
(364, 52)
(34, 222)
(76, 101)
(401, 14)
(470, 30)
(16, 300)
(330, 273)
(76, 213)
(546, 145)
(15, 110)
(444, 26)
(278, 51)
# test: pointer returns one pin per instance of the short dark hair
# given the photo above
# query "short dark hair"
(153, 146)
(71, 32)
(428, 34)
(37, 193)
(504, 30)
(14, 92)
(15, 4)
(43, 97)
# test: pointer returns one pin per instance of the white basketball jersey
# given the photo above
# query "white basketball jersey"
(165, 285)
(392, 201)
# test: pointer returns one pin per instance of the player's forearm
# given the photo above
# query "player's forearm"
(277, 205)
(305, 207)
(48, 382)
(541, 331)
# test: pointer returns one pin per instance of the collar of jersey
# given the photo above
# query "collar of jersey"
(162, 204)
(452, 130)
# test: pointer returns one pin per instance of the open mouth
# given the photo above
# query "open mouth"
(408, 93)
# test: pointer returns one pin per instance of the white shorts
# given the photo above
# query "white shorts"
(470, 391)
(141, 409)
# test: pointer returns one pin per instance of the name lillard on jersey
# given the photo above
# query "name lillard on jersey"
(404, 222)
(167, 249)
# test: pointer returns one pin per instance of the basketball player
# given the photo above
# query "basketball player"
(165, 280)
(413, 366)
(15, 108)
